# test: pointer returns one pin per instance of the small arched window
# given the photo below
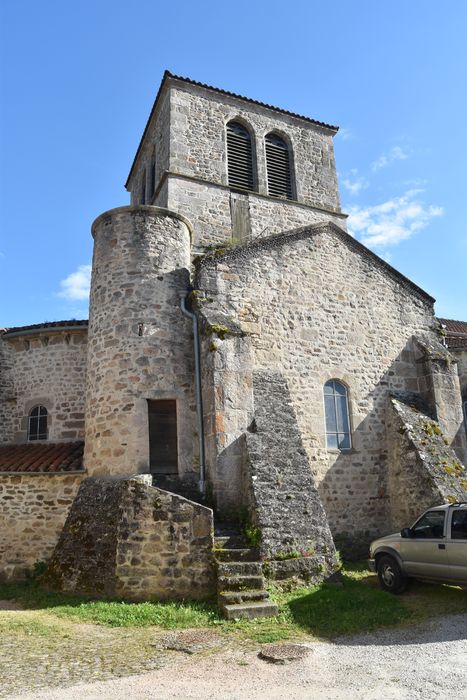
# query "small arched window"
(239, 156)
(336, 409)
(278, 167)
(37, 425)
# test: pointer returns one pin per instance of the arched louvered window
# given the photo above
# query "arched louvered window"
(278, 167)
(336, 410)
(239, 156)
(37, 424)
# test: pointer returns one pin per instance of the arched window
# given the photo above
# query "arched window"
(336, 409)
(37, 425)
(278, 167)
(239, 156)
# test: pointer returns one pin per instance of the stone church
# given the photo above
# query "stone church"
(245, 361)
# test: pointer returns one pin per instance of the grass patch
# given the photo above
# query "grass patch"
(169, 615)
(329, 611)
(324, 611)
(28, 628)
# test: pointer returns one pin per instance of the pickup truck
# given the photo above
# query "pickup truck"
(433, 549)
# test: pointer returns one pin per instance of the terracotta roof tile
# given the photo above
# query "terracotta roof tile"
(38, 457)
(456, 332)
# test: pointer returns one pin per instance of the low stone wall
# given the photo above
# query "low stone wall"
(33, 509)
(126, 539)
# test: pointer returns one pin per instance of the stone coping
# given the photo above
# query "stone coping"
(46, 328)
(249, 248)
(149, 209)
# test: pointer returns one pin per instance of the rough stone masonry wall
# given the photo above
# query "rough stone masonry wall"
(423, 470)
(156, 151)
(193, 148)
(317, 306)
(209, 207)
(198, 150)
(140, 344)
(8, 422)
(126, 539)
(441, 389)
(49, 369)
(198, 137)
(460, 355)
(33, 509)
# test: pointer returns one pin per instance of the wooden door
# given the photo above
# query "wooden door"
(163, 457)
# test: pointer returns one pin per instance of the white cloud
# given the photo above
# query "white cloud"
(345, 133)
(75, 287)
(353, 183)
(393, 221)
(396, 153)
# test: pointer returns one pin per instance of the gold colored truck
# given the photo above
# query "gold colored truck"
(433, 549)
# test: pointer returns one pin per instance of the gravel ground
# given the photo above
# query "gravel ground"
(428, 661)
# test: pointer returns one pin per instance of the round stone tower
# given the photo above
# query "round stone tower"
(140, 403)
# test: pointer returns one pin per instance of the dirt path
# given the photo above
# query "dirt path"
(428, 661)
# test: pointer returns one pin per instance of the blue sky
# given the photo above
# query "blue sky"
(79, 78)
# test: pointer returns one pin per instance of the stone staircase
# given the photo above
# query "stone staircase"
(240, 581)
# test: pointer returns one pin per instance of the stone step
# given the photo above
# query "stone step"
(236, 554)
(230, 542)
(250, 610)
(235, 597)
(240, 568)
(239, 583)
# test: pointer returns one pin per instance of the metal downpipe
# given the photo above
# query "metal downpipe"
(199, 397)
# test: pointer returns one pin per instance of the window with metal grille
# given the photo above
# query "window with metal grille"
(239, 157)
(278, 167)
(336, 411)
(37, 424)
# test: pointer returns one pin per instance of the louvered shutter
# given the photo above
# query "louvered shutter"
(239, 156)
(278, 166)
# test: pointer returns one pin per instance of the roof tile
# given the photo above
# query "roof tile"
(456, 333)
(42, 457)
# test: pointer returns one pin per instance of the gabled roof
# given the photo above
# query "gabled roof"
(251, 247)
(456, 332)
(168, 75)
(42, 457)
